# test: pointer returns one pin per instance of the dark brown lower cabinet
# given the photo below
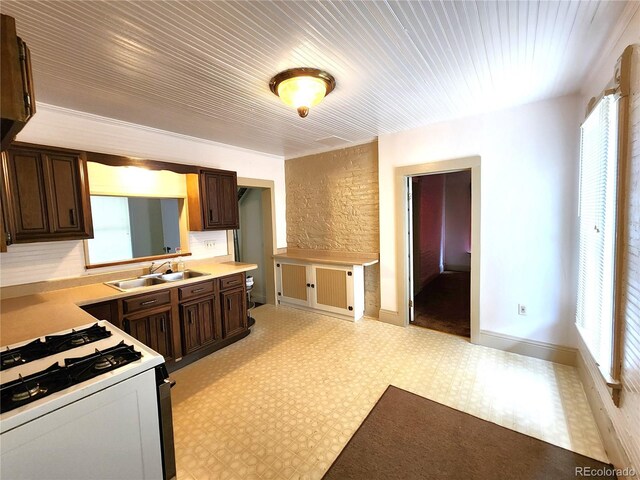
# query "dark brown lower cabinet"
(234, 311)
(104, 311)
(184, 323)
(200, 324)
(153, 329)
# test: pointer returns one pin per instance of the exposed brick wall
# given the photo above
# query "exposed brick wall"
(332, 204)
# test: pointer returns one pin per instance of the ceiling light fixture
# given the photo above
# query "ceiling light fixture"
(302, 88)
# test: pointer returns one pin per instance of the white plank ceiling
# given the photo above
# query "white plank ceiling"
(202, 68)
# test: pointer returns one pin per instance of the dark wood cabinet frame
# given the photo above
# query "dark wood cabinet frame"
(171, 307)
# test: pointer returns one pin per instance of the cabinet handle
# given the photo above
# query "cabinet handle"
(233, 282)
(162, 325)
(308, 284)
(190, 318)
(196, 290)
(313, 286)
(72, 216)
(228, 303)
(211, 215)
(149, 302)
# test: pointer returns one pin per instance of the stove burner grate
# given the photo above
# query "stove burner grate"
(33, 387)
(52, 344)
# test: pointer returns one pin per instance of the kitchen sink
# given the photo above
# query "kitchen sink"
(153, 279)
(133, 283)
(174, 277)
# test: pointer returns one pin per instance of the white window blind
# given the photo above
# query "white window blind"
(597, 227)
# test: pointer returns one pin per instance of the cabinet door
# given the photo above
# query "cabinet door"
(294, 283)
(229, 201)
(46, 194)
(26, 195)
(190, 336)
(160, 334)
(333, 289)
(211, 200)
(154, 330)
(66, 206)
(234, 312)
(209, 331)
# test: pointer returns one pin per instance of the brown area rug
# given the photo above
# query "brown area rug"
(406, 436)
(444, 304)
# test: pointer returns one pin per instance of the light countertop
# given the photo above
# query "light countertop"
(328, 257)
(30, 316)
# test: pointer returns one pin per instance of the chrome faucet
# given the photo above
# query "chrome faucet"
(154, 269)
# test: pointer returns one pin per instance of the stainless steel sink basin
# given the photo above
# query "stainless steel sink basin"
(174, 277)
(133, 283)
(153, 279)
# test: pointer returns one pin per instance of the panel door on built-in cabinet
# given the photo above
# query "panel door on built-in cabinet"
(293, 282)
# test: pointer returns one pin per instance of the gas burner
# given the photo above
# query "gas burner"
(24, 354)
(105, 362)
(52, 344)
(11, 359)
(28, 392)
(33, 387)
(102, 361)
(79, 340)
(67, 341)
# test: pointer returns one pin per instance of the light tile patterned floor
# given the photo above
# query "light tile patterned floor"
(283, 402)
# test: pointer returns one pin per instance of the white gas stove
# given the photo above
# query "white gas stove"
(85, 403)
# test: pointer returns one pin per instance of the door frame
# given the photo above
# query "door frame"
(268, 202)
(402, 233)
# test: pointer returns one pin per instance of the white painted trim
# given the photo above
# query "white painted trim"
(402, 275)
(591, 378)
(144, 128)
(393, 318)
(530, 348)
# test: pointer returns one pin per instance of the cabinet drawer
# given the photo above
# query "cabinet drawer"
(146, 302)
(232, 281)
(196, 290)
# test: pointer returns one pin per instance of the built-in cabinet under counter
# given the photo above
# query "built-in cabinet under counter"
(183, 323)
(325, 281)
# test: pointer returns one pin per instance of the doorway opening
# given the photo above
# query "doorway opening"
(439, 221)
(254, 241)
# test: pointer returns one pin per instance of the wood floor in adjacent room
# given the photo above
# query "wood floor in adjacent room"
(444, 304)
(283, 402)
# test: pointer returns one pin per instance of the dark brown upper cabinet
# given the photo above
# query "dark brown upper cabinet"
(45, 195)
(16, 87)
(213, 200)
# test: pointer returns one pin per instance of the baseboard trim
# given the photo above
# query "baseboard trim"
(530, 348)
(388, 316)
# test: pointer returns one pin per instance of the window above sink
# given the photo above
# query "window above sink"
(138, 215)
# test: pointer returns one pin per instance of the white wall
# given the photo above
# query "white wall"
(56, 126)
(529, 165)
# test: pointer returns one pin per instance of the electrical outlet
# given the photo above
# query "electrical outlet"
(209, 244)
(522, 309)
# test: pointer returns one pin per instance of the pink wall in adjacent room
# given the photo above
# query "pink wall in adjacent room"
(428, 228)
(457, 221)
